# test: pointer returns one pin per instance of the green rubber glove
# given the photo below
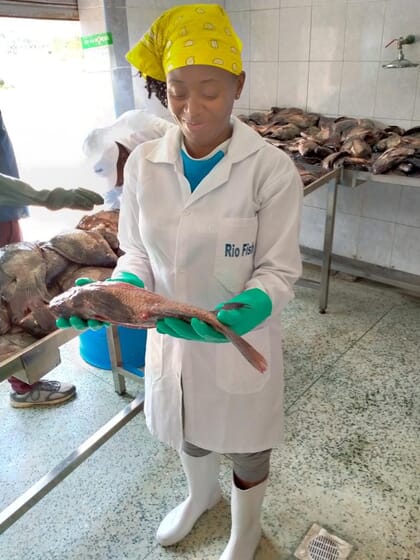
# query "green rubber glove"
(76, 199)
(256, 308)
(181, 329)
(80, 324)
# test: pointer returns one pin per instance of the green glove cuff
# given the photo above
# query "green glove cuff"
(127, 277)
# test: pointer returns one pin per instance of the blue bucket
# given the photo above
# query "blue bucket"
(94, 350)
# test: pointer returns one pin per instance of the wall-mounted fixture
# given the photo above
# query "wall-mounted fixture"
(401, 61)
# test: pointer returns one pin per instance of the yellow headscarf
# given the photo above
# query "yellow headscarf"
(185, 35)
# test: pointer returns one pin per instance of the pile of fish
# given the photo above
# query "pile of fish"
(31, 274)
(318, 144)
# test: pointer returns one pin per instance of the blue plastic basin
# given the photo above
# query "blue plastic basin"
(94, 350)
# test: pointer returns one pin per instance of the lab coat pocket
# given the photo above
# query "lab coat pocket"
(154, 355)
(234, 260)
(234, 374)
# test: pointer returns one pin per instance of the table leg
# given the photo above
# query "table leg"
(116, 359)
(328, 243)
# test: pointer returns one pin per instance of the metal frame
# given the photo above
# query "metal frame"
(332, 180)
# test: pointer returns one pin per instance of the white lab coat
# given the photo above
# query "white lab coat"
(238, 230)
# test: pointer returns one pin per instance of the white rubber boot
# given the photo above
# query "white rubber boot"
(204, 493)
(246, 523)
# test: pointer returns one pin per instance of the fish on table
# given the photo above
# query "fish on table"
(123, 304)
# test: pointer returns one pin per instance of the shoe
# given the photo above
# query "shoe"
(204, 493)
(43, 393)
(246, 524)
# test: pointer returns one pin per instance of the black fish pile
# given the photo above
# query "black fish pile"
(318, 144)
(31, 274)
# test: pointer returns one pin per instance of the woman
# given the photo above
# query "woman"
(210, 213)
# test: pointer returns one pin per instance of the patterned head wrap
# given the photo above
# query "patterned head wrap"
(187, 35)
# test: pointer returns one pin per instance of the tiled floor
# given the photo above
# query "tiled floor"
(350, 462)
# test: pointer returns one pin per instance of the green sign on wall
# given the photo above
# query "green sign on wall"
(97, 40)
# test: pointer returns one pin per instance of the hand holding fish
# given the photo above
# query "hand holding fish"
(124, 304)
(80, 324)
(242, 313)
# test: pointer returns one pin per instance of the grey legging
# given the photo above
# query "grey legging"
(251, 467)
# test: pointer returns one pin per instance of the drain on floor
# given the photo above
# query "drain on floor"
(319, 544)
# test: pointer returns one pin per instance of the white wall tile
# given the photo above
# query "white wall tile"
(406, 251)
(358, 88)
(264, 4)
(140, 4)
(327, 33)
(312, 230)
(294, 33)
(295, 3)
(263, 85)
(292, 84)
(162, 5)
(243, 101)
(395, 94)
(236, 5)
(241, 24)
(381, 201)
(409, 211)
(363, 37)
(416, 113)
(324, 86)
(349, 201)
(328, 3)
(317, 199)
(346, 235)
(375, 241)
(264, 35)
(139, 21)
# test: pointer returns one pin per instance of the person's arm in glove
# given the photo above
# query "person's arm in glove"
(256, 307)
(14, 192)
(80, 324)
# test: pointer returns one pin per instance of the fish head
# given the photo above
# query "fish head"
(99, 300)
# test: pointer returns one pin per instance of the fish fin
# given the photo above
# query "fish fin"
(245, 348)
(229, 305)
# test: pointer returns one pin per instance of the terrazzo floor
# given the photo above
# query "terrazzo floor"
(350, 461)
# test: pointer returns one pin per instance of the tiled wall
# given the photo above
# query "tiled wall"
(327, 56)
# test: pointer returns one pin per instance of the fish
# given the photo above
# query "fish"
(4, 318)
(391, 141)
(67, 280)
(390, 159)
(23, 273)
(12, 343)
(357, 147)
(123, 304)
(104, 222)
(83, 247)
(104, 219)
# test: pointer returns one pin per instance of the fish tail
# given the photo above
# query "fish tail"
(246, 349)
